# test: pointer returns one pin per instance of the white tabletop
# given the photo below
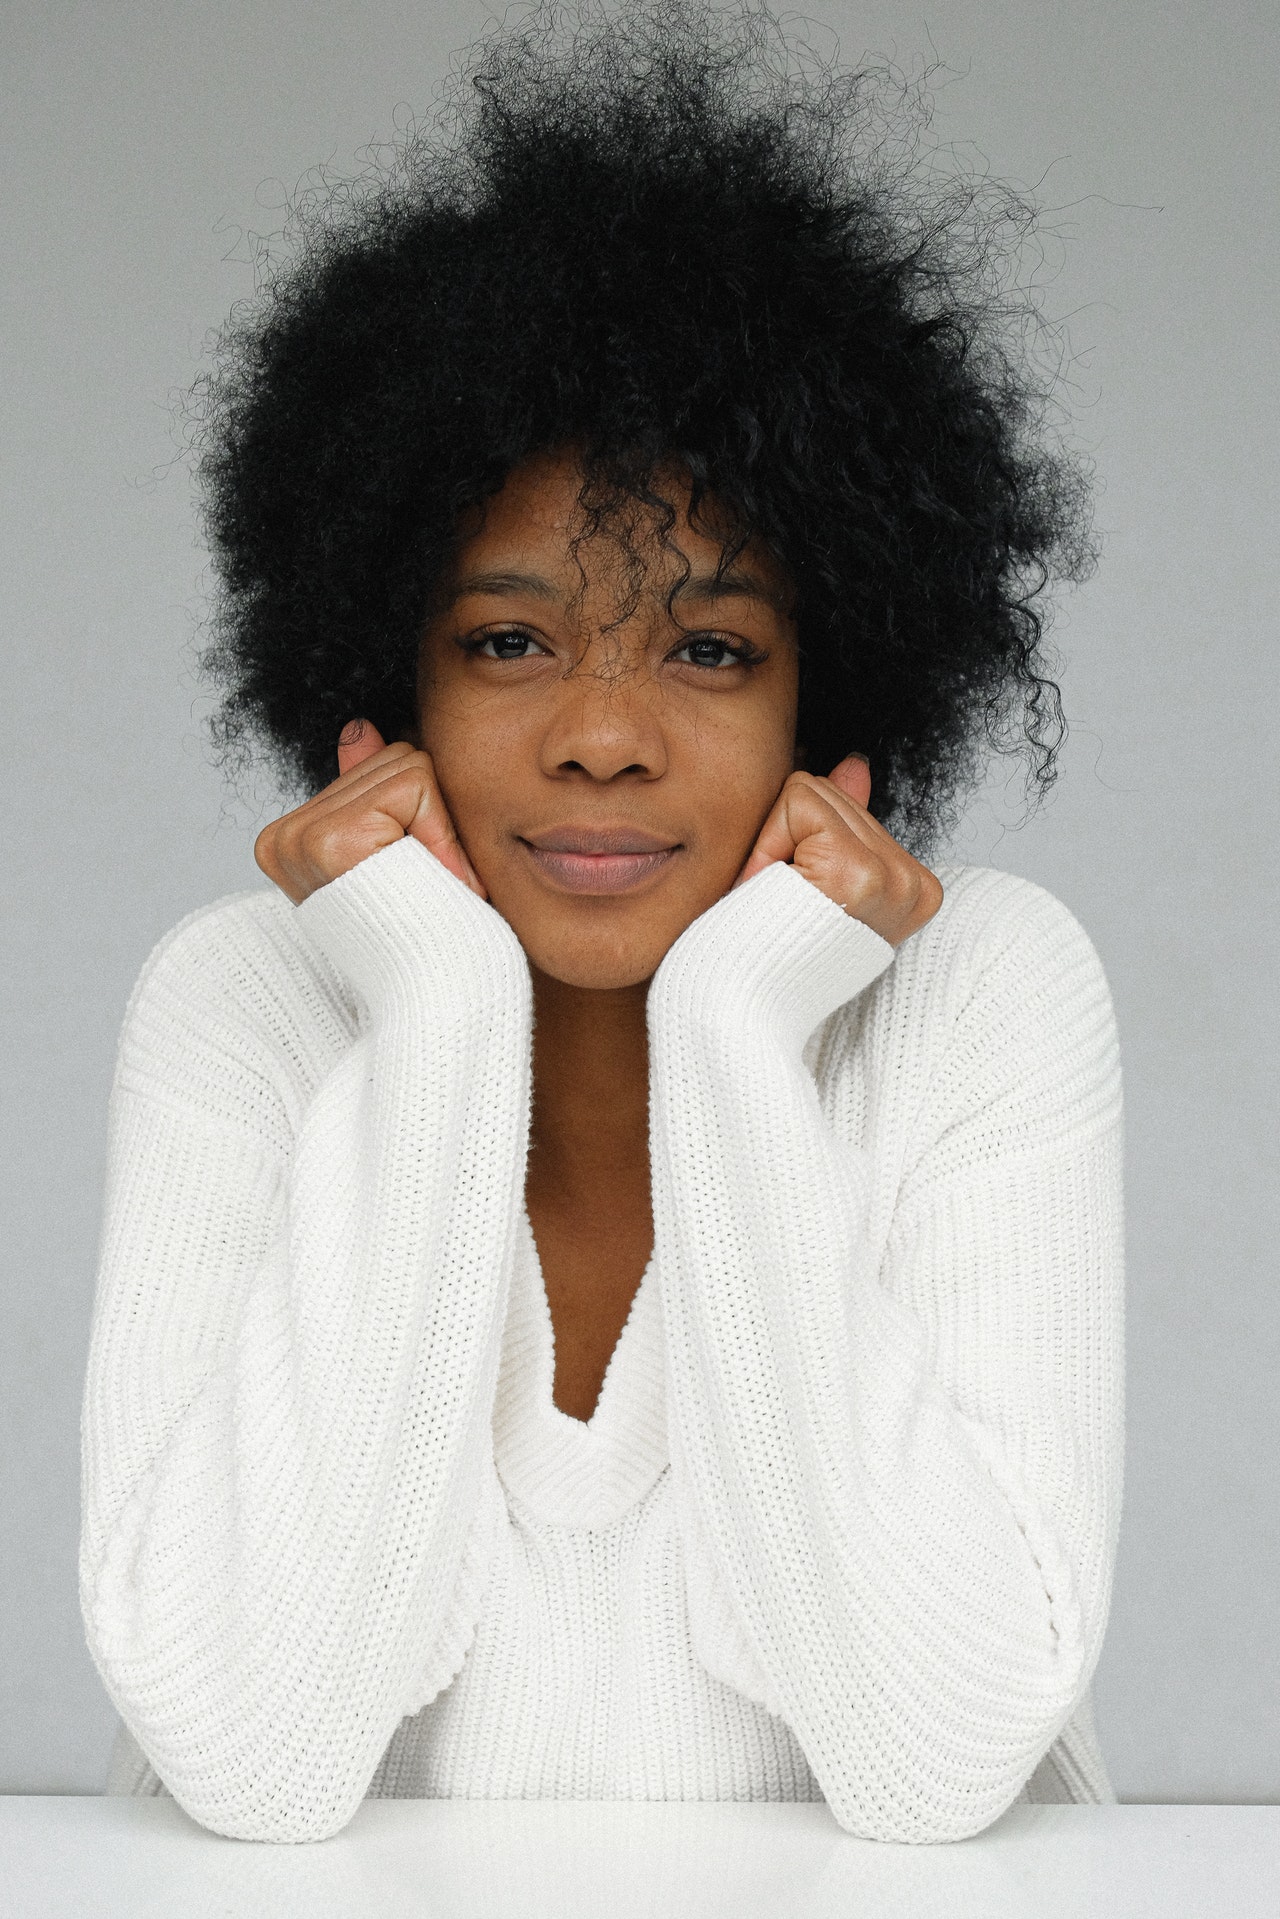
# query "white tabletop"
(65, 1858)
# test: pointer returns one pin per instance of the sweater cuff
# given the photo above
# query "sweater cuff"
(774, 950)
(403, 930)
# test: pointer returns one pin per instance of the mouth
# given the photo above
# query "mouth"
(599, 860)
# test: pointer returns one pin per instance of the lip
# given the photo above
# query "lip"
(598, 839)
(599, 859)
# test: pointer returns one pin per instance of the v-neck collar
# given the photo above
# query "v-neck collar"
(571, 1472)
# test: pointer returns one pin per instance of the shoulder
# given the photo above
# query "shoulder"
(235, 1011)
(244, 945)
(990, 920)
(1007, 943)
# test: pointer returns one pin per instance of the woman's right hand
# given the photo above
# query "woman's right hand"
(382, 793)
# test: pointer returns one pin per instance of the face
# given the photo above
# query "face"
(607, 761)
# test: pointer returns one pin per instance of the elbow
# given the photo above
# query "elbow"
(289, 1781)
(267, 1810)
(937, 1791)
(926, 1819)
(280, 1823)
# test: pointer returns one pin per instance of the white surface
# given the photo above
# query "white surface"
(522, 1859)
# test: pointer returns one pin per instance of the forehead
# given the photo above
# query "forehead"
(538, 526)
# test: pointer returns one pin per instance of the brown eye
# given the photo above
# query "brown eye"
(509, 638)
(709, 647)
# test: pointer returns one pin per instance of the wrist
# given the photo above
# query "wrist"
(775, 952)
(400, 927)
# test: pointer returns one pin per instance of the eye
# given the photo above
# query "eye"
(506, 638)
(710, 644)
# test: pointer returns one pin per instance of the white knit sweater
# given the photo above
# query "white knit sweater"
(844, 1521)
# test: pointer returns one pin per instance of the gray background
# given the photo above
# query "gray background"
(142, 140)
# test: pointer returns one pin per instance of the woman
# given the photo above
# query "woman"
(612, 1276)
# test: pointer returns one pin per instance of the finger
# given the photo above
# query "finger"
(433, 827)
(849, 811)
(801, 809)
(349, 825)
(358, 740)
(398, 781)
(864, 823)
(388, 762)
(383, 763)
(901, 892)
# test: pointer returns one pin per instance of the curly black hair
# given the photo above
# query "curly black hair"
(672, 239)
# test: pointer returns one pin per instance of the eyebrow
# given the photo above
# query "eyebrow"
(502, 582)
(733, 583)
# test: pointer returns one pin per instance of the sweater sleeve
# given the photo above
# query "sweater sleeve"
(287, 1468)
(897, 1456)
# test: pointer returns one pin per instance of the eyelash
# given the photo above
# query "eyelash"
(741, 654)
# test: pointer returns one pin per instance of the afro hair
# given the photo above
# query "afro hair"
(669, 237)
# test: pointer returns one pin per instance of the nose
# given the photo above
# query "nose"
(606, 722)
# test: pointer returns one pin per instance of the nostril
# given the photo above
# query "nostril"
(604, 773)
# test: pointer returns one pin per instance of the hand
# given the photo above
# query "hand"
(824, 829)
(382, 794)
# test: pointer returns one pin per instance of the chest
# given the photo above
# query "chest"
(593, 1253)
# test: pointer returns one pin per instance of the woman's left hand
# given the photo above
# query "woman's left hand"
(824, 829)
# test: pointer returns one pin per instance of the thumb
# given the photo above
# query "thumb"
(853, 777)
(358, 741)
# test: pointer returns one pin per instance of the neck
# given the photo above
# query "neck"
(590, 1126)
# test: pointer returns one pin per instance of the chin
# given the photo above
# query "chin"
(599, 965)
(598, 973)
(609, 946)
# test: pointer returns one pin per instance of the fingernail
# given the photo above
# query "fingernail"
(351, 733)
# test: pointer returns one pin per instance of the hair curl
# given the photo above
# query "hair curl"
(672, 238)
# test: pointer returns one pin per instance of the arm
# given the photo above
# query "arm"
(287, 1470)
(899, 1474)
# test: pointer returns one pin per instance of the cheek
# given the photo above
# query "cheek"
(733, 776)
(478, 768)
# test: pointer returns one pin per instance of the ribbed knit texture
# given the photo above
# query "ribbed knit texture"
(844, 1521)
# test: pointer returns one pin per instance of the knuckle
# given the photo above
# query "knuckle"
(265, 849)
(407, 763)
(900, 884)
(928, 899)
(324, 842)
